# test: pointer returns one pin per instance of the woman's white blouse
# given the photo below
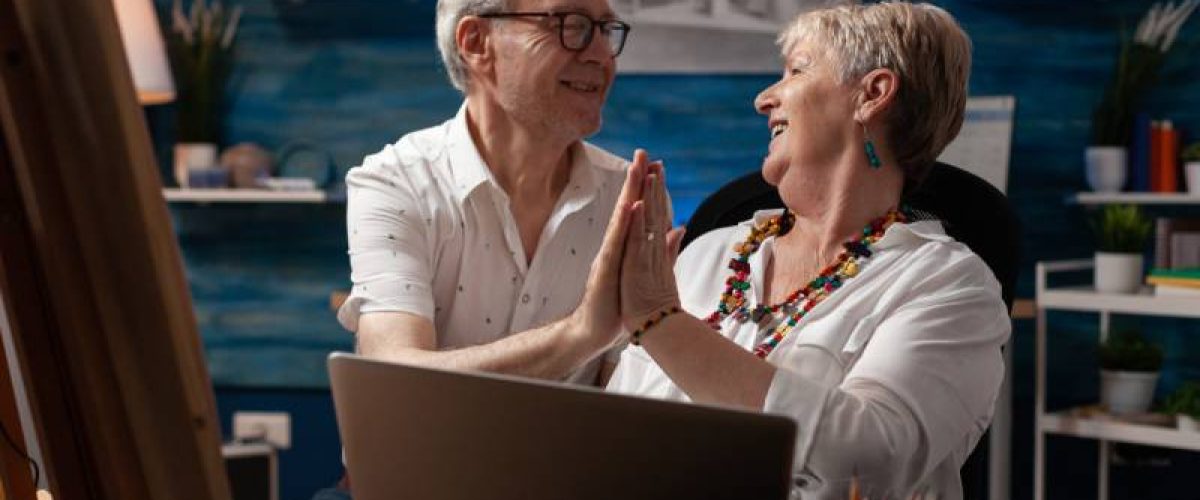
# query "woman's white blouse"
(891, 380)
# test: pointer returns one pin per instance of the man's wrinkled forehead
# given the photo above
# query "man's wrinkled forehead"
(596, 8)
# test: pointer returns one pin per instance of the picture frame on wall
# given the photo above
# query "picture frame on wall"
(706, 36)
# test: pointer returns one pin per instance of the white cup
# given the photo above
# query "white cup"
(1106, 166)
(192, 156)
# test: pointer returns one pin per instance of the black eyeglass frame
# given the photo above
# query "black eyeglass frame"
(605, 25)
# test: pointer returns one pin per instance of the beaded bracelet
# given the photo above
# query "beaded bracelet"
(650, 322)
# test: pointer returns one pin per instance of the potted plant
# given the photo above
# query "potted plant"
(1184, 403)
(1135, 72)
(201, 49)
(1121, 234)
(1191, 167)
(1129, 367)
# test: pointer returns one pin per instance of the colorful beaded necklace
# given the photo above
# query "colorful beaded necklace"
(733, 300)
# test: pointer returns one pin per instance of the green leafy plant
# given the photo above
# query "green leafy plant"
(1129, 351)
(1136, 70)
(1192, 152)
(1185, 400)
(201, 50)
(1122, 229)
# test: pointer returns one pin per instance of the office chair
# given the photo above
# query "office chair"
(973, 212)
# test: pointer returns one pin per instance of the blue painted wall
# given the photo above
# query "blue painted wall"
(353, 75)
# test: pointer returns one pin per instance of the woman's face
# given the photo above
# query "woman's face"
(811, 120)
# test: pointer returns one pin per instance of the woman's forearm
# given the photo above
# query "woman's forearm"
(706, 366)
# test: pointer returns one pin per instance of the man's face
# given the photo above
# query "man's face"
(541, 84)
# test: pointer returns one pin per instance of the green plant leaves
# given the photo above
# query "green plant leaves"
(1127, 350)
(1122, 229)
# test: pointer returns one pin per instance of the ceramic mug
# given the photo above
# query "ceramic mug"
(1106, 168)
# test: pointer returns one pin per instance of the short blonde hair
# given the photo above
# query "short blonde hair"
(927, 50)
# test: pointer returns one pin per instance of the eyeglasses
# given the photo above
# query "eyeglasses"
(575, 29)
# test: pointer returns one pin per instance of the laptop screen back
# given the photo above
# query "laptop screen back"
(418, 433)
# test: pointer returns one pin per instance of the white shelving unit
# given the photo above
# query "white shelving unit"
(247, 196)
(1102, 428)
(1136, 198)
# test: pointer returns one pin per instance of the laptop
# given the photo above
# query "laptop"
(426, 434)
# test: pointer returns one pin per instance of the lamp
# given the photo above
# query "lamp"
(144, 50)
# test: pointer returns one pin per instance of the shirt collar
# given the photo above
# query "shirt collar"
(896, 234)
(469, 171)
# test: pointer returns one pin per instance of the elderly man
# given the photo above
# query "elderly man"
(470, 242)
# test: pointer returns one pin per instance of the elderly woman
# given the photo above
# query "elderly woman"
(865, 323)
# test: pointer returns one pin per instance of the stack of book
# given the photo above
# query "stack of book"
(1175, 282)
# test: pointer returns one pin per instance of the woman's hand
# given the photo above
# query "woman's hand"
(597, 320)
(647, 272)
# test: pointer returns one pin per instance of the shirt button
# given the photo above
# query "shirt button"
(525, 299)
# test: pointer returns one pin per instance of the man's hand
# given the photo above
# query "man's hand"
(597, 320)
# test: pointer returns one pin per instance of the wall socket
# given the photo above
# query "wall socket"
(274, 428)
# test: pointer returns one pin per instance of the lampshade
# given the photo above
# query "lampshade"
(145, 51)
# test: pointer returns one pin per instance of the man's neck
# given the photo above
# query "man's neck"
(528, 165)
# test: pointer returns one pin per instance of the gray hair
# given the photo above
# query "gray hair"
(449, 13)
(927, 50)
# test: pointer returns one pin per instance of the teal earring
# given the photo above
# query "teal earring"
(869, 147)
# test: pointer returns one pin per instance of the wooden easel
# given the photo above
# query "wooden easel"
(92, 277)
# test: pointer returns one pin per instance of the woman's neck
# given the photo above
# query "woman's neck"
(818, 233)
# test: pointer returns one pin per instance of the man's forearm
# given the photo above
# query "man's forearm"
(549, 352)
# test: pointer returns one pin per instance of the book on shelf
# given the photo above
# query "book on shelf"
(1167, 160)
(1176, 242)
(1175, 282)
(1156, 145)
(1177, 291)
(1185, 249)
(1139, 154)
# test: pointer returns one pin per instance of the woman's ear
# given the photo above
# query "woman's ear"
(471, 35)
(877, 92)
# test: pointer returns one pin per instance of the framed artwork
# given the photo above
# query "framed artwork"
(706, 36)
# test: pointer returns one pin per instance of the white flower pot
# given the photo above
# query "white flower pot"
(193, 156)
(1187, 423)
(1124, 393)
(1106, 168)
(1191, 171)
(1118, 272)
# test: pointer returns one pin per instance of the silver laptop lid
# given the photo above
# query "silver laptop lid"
(420, 433)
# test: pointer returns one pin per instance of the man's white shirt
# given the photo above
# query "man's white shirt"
(431, 233)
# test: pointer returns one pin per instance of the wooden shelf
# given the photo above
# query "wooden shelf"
(1108, 428)
(1136, 198)
(247, 196)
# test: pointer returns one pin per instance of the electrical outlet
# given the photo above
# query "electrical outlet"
(274, 428)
